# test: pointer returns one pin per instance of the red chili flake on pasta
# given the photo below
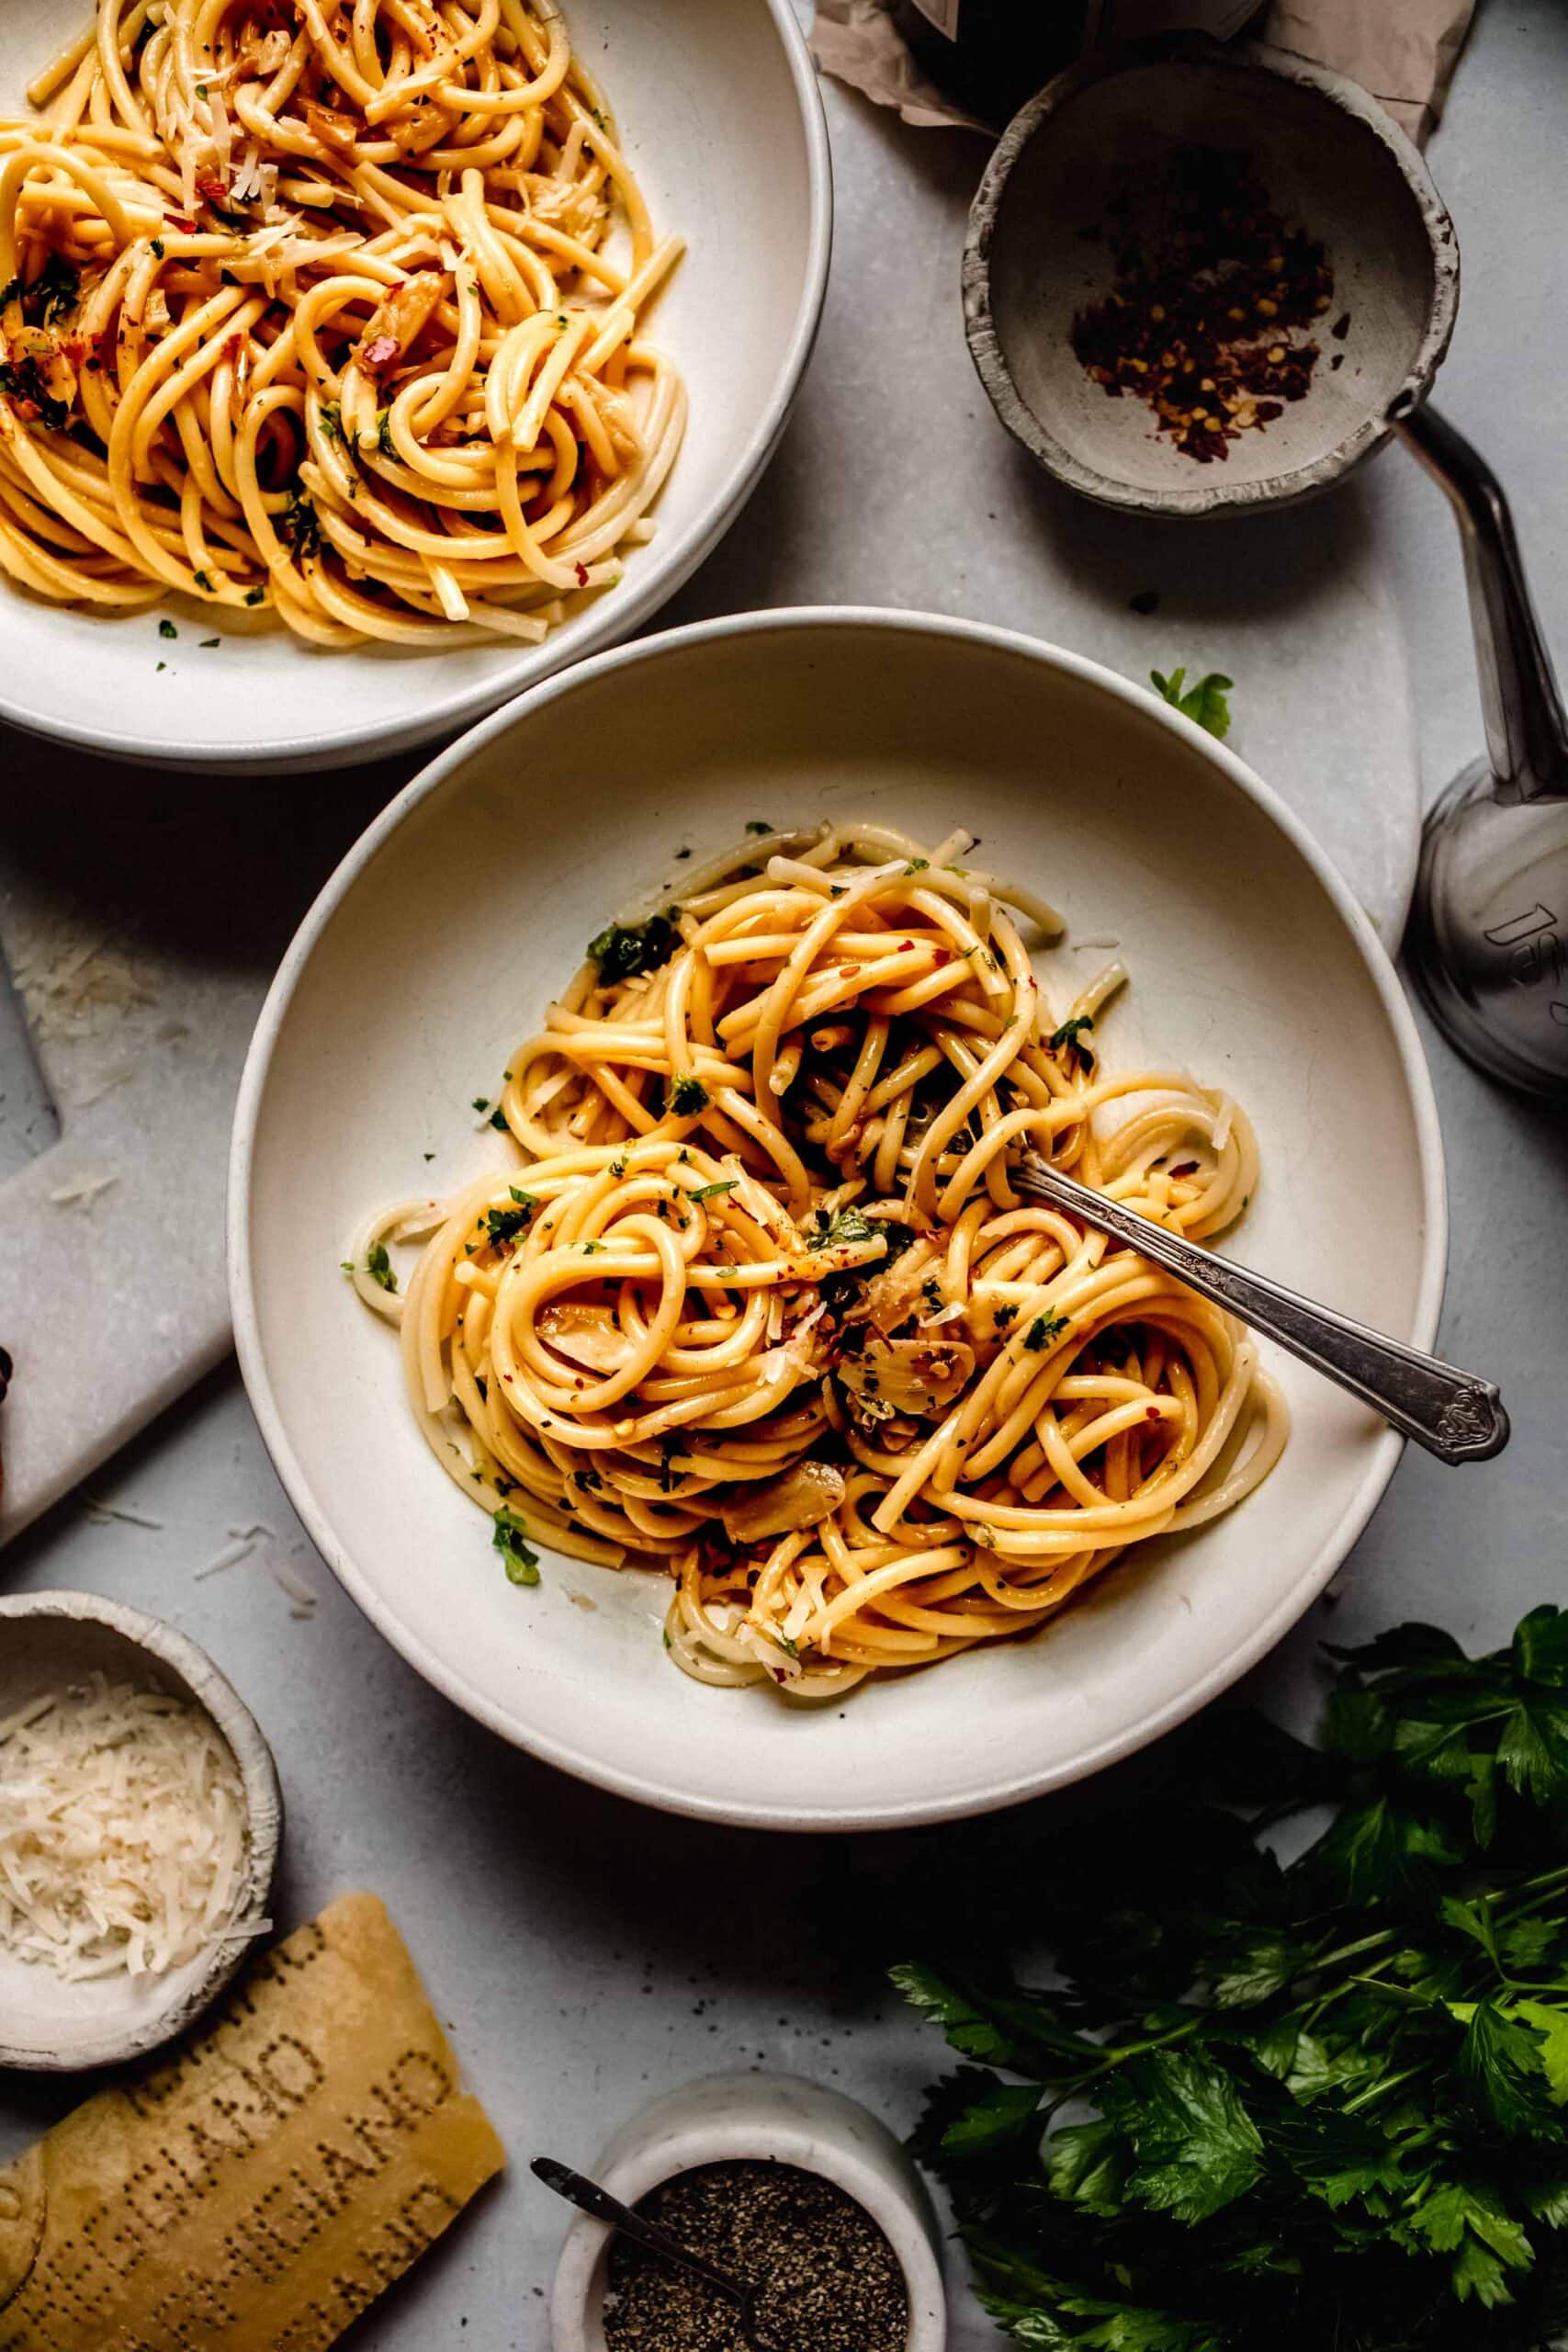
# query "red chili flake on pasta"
(581, 572)
(1185, 1168)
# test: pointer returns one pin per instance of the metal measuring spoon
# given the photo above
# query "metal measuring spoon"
(1455, 1415)
(587, 2195)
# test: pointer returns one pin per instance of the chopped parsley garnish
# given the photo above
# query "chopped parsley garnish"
(1043, 1331)
(1206, 702)
(618, 1165)
(498, 1119)
(254, 595)
(917, 865)
(1005, 1318)
(930, 1292)
(1068, 1038)
(332, 420)
(202, 580)
(706, 1191)
(299, 526)
(687, 1096)
(591, 1248)
(840, 1230)
(166, 628)
(22, 379)
(672, 1448)
(760, 825)
(378, 1266)
(45, 299)
(482, 1103)
(205, 644)
(622, 950)
(384, 432)
(158, 248)
(503, 1226)
(511, 1540)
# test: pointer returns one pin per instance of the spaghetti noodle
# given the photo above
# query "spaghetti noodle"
(323, 309)
(764, 1308)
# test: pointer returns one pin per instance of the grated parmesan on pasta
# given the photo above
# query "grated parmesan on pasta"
(122, 1831)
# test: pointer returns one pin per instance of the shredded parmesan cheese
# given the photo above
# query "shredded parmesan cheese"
(81, 1192)
(122, 1831)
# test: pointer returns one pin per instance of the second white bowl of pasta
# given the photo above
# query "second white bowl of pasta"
(666, 1129)
(357, 366)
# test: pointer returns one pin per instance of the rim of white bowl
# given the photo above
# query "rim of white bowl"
(205, 1684)
(1013, 1789)
(610, 621)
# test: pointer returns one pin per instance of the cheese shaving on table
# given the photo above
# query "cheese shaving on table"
(122, 1831)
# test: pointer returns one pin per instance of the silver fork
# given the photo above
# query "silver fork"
(1454, 1414)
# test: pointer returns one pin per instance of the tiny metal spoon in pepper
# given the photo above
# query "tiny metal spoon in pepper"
(587, 2195)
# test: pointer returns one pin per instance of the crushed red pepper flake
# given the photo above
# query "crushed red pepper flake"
(1203, 319)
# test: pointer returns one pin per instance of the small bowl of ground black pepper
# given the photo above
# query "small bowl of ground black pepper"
(1198, 275)
(792, 2190)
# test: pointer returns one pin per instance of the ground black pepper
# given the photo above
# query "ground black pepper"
(829, 2279)
(1211, 288)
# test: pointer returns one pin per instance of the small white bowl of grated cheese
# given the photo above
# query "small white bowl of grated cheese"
(139, 1820)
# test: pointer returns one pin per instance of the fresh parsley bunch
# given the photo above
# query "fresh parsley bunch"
(1313, 2107)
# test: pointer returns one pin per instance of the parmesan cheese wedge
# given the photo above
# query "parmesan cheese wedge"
(263, 2188)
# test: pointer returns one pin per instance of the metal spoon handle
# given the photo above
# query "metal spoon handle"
(586, 2194)
(1453, 1414)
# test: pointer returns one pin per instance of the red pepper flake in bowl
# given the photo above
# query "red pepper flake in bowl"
(1211, 286)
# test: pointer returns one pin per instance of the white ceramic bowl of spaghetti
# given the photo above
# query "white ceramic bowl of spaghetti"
(1260, 1006)
(350, 386)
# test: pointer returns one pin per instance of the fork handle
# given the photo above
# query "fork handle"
(1454, 1414)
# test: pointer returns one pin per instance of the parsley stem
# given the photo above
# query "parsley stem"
(1376, 2090)
(1353, 1951)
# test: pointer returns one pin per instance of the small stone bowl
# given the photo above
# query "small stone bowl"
(47, 1641)
(779, 2119)
(1327, 154)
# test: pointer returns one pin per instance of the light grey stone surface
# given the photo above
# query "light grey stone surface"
(583, 1954)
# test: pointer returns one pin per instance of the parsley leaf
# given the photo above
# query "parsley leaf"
(623, 950)
(706, 1191)
(1043, 1331)
(842, 1229)
(503, 1226)
(299, 526)
(511, 1540)
(1207, 702)
(1279, 2104)
(687, 1096)
(1069, 1038)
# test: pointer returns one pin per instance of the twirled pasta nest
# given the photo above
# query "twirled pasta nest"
(337, 311)
(762, 1307)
